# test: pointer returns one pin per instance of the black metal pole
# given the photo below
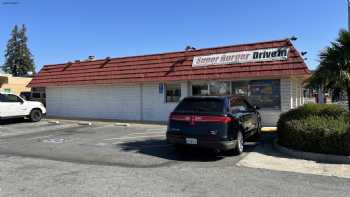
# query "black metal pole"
(349, 15)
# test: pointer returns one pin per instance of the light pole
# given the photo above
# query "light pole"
(349, 15)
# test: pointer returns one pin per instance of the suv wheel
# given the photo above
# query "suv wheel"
(35, 115)
(240, 143)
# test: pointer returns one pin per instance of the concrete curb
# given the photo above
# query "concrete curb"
(85, 123)
(269, 129)
(122, 124)
(325, 158)
(53, 122)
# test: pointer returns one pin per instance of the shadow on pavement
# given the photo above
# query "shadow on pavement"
(266, 146)
(14, 121)
(161, 149)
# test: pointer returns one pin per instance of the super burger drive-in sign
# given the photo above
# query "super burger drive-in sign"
(271, 54)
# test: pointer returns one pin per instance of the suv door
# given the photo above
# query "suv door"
(4, 112)
(242, 108)
(13, 106)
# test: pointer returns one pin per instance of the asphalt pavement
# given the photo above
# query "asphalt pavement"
(103, 159)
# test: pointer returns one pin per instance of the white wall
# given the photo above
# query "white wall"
(105, 102)
(134, 102)
(142, 102)
(286, 95)
(297, 94)
(291, 97)
(154, 106)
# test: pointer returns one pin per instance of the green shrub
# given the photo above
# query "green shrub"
(316, 128)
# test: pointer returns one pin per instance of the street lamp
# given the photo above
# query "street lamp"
(349, 15)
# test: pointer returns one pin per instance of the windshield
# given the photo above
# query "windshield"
(238, 104)
(204, 105)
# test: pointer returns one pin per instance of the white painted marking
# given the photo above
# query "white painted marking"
(85, 123)
(101, 144)
(122, 124)
(40, 137)
(96, 128)
(54, 122)
(54, 141)
(145, 133)
(135, 137)
(148, 146)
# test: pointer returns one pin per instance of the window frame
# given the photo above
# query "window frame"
(201, 83)
(166, 87)
(247, 85)
(18, 100)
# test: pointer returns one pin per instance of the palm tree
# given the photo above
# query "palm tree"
(333, 72)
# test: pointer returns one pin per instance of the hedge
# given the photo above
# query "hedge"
(316, 128)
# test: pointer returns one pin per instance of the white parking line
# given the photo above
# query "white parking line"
(40, 137)
(146, 145)
(145, 133)
(134, 137)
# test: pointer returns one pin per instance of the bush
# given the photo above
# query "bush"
(316, 128)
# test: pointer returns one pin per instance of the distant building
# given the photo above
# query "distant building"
(14, 85)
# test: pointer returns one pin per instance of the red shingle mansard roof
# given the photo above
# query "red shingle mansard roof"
(170, 67)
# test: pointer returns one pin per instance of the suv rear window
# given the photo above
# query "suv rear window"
(203, 105)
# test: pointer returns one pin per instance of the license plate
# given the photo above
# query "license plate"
(191, 141)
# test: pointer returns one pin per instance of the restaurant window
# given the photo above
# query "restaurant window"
(173, 93)
(36, 95)
(218, 88)
(200, 90)
(262, 93)
(240, 88)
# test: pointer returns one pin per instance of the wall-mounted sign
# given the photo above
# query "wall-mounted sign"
(272, 54)
(161, 88)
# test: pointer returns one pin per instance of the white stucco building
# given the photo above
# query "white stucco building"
(147, 88)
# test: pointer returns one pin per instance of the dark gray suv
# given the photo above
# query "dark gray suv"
(221, 123)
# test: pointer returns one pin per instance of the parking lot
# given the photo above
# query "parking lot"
(136, 145)
(105, 159)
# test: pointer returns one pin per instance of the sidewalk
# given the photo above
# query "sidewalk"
(264, 156)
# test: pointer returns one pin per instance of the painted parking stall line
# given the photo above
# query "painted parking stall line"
(146, 133)
(54, 140)
(134, 137)
(40, 137)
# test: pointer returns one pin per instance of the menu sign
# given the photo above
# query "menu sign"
(271, 54)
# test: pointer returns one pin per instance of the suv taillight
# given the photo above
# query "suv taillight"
(195, 118)
(220, 119)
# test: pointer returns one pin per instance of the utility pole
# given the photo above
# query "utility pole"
(349, 15)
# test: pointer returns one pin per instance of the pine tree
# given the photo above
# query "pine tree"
(18, 58)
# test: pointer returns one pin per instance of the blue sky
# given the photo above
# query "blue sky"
(66, 30)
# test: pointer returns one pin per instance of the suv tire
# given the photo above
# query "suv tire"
(35, 115)
(240, 144)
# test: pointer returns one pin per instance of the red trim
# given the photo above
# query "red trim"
(194, 118)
